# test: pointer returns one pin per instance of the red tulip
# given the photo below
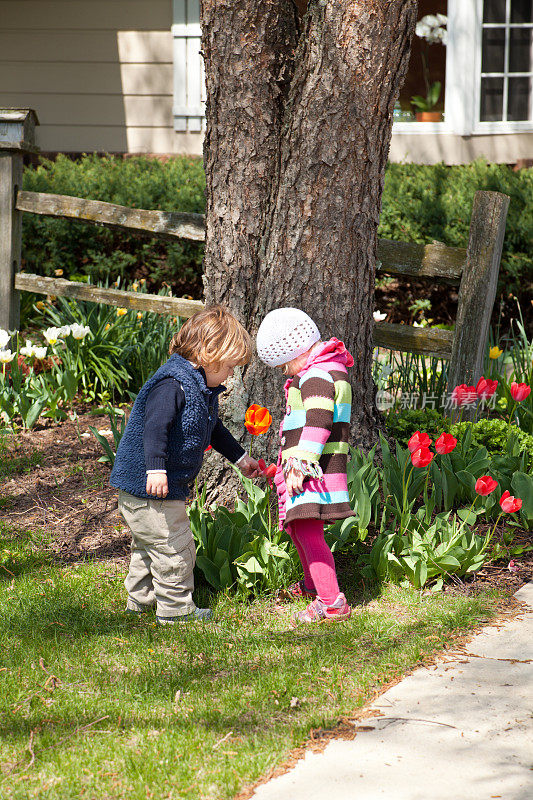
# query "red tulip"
(209, 447)
(445, 443)
(421, 457)
(485, 388)
(269, 471)
(485, 485)
(257, 419)
(418, 440)
(519, 391)
(509, 503)
(464, 395)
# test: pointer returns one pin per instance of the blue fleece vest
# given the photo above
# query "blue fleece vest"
(189, 434)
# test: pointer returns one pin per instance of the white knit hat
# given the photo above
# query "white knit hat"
(284, 334)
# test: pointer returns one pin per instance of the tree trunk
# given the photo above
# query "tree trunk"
(299, 119)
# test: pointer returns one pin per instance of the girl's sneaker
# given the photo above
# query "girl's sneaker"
(296, 591)
(318, 612)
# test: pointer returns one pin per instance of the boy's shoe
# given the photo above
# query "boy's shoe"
(138, 610)
(203, 614)
(296, 591)
(318, 612)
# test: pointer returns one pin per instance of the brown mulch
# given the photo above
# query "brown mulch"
(67, 496)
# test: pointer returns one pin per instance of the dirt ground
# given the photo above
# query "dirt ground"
(57, 486)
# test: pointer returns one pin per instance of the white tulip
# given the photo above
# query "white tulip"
(379, 316)
(52, 335)
(28, 350)
(79, 331)
(6, 356)
(4, 338)
(443, 19)
(64, 331)
(39, 352)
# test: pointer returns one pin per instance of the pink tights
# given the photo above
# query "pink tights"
(316, 557)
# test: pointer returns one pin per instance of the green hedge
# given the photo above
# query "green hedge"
(105, 253)
(420, 203)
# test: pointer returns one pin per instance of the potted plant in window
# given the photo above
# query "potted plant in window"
(432, 30)
(425, 105)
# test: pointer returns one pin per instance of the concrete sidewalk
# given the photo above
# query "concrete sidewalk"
(463, 730)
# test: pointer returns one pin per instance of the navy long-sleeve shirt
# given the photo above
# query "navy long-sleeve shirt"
(164, 403)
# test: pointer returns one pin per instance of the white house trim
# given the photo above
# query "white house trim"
(189, 79)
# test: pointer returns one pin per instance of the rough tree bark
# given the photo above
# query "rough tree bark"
(299, 119)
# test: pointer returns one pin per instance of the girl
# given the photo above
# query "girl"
(311, 475)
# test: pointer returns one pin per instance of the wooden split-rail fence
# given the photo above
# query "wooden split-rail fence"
(474, 269)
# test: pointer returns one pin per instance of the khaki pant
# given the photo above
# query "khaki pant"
(162, 555)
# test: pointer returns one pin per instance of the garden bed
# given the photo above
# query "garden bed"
(51, 482)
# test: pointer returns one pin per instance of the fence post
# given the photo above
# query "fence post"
(478, 287)
(17, 136)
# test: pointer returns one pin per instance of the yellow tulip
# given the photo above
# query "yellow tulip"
(495, 352)
(107, 326)
(58, 272)
(139, 315)
(121, 312)
(134, 286)
(40, 305)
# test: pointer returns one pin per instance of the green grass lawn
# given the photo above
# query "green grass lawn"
(96, 704)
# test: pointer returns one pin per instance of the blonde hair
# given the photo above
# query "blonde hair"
(211, 336)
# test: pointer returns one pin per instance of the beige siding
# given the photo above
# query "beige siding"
(99, 73)
(504, 148)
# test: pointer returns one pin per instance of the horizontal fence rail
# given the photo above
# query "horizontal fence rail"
(401, 337)
(405, 259)
(425, 341)
(176, 306)
(161, 223)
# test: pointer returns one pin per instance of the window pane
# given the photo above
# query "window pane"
(493, 59)
(494, 11)
(521, 11)
(491, 99)
(519, 103)
(520, 49)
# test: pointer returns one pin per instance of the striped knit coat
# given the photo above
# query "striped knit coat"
(316, 428)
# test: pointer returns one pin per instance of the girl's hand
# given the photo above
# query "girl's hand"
(249, 467)
(294, 482)
(157, 484)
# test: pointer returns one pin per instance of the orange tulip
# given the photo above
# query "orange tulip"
(257, 419)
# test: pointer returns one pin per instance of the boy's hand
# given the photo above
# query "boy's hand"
(294, 482)
(249, 467)
(157, 484)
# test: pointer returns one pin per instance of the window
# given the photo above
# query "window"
(488, 68)
(506, 88)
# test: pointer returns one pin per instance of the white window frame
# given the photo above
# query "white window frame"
(503, 126)
(463, 79)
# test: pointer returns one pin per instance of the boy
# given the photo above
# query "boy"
(173, 420)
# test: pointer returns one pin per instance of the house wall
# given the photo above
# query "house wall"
(99, 73)
(430, 148)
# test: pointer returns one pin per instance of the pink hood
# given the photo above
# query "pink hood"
(334, 351)
(329, 355)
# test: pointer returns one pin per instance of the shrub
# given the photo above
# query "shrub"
(494, 435)
(105, 253)
(422, 203)
(402, 424)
